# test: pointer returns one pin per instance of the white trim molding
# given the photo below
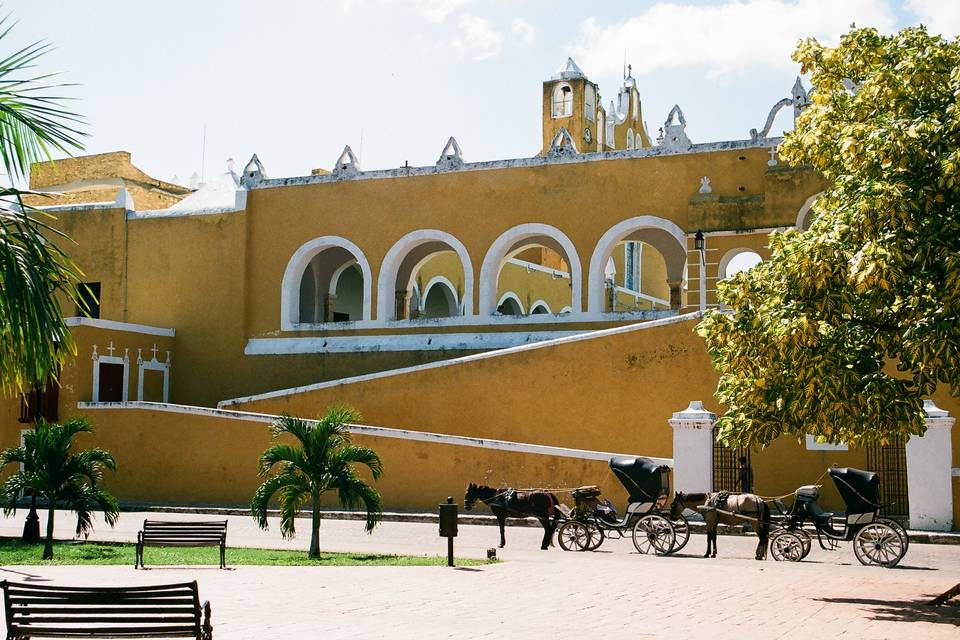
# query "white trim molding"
(509, 295)
(497, 256)
(805, 209)
(375, 431)
(153, 365)
(99, 359)
(454, 362)
(608, 242)
(290, 285)
(540, 303)
(390, 268)
(813, 445)
(78, 321)
(444, 282)
(730, 255)
(403, 342)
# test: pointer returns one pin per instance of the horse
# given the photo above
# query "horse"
(517, 504)
(744, 504)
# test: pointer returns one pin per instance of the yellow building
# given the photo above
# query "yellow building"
(540, 302)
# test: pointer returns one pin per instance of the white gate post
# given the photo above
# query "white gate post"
(929, 469)
(693, 448)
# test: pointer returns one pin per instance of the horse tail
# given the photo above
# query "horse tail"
(555, 511)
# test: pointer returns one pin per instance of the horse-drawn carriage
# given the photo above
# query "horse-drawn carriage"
(593, 519)
(876, 540)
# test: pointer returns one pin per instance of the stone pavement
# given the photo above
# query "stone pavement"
(541, 594)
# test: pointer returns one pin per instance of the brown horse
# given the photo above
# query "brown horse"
(750, 507)
(516, 504)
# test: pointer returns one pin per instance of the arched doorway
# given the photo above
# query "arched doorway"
(533, 262)
(316, 272)
(412, 262)
(624, 245)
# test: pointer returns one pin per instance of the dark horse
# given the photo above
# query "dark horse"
(516, 504)
(749, 507)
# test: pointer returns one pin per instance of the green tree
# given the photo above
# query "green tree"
(849, 325)
(323, 459)
(65, 480)
(34, 339)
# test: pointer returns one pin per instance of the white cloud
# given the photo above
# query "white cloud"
(477, 39)
(432, 10)
(940, 16)
(730, 37)
(523, 31)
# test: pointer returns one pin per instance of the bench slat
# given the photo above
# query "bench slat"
(94, 616)
(61, 608)
(22, 586)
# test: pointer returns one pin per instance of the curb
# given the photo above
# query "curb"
(917, 537)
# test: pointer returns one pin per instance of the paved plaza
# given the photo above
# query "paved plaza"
(541, 594)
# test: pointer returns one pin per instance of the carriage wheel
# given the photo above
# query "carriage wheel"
(653, 533)
(596, 535)
(899, 528)
(681, 529)
(788, 547)
(574, 536)
(878, 544)
(807, 543)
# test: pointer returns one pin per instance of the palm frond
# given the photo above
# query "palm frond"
(279, 453)
(352, 491)
(260, 503)
(360, 455)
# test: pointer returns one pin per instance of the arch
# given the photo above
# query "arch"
(509, 241)
(660, 233)
(805, 210)
(507, 298)
(601, 126)
(629, 139)
(407, 255)
(298, 263)
(730, 255)
(540, 307)
(335, 278)
(562, 102)
(449, 292)
(566, 309)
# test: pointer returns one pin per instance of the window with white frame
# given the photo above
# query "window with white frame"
(562, 101)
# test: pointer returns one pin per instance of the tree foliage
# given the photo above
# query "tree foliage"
(33, 125)
(322, 459)
(63, 479)
(850, 325)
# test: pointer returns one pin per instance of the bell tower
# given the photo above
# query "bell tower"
(572, 102)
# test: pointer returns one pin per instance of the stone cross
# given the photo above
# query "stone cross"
(111, 348)
(154, 350)
(772, 162)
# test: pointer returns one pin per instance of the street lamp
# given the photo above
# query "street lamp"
(700, 245)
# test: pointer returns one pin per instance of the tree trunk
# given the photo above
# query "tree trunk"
(315, 528)
(48, 544)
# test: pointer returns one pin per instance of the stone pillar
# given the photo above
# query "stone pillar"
(402, 305)
(329, 307)
(676, 287)
(929, 470)
(693, 448)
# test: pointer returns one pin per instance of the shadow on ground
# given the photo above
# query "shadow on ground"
(903, 610)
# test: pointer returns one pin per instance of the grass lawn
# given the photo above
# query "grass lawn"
(15, 552)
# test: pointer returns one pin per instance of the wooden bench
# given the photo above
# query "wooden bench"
(159, 611)
(159, 533)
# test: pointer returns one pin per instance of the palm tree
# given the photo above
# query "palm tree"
(34, 125)
(64, 479)
(323, 459)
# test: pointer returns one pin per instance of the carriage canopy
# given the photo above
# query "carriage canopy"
(860, 490)
(644, 479)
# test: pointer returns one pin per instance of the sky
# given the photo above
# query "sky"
(184, 85)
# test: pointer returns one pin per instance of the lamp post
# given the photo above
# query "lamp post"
(699, 244)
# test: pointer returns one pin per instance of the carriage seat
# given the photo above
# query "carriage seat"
(588, 491)
(810, 491)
